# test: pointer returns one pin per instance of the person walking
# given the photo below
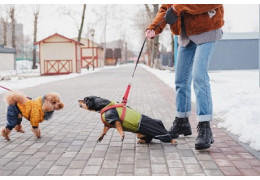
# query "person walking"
(198, 27)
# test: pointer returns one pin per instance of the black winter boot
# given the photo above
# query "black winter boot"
(205, 137)
(180, 126)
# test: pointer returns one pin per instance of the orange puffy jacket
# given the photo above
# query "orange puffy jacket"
(32, 110)
(196, 18)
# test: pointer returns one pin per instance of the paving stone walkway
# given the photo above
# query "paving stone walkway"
(69, 140)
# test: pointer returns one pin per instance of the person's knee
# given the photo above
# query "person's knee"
(199, 79)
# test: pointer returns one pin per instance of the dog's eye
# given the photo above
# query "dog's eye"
(54, 103)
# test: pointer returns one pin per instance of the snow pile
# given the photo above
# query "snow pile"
(24, 65)
(20, 81)
(26, 77)
(236, 101)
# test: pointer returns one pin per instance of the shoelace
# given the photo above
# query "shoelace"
(201, 129)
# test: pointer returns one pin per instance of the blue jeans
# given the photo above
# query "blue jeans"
(192, 64)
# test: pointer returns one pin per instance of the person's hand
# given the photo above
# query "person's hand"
(170, 17)
(150, 33)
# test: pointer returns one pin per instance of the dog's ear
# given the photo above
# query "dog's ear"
(47, 106)
(89, 101)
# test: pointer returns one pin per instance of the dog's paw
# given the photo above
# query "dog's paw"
(5, 133)
(19, 128)
(37, 132)
(174, 142)
(100, 138)
(141, 141)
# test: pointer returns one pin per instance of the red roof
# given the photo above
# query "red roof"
(56, 34)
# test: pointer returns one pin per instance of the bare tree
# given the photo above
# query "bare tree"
(12, 17)
(5, 22)
(4, 16)
(74, 15)
(105, 30)
(155, 46)
(82, 22)
(149, 44)
(36, 15)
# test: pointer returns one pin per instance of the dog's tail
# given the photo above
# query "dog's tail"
(15, 97)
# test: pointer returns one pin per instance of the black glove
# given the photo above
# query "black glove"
(170, 17)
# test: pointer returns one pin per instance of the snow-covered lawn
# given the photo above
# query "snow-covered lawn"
(236, 101)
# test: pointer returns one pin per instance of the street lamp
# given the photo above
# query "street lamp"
(92, 32)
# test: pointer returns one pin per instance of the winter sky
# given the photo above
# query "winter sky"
(121, 20)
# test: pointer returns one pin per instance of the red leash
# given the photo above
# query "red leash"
(5, 88)
(124, 100)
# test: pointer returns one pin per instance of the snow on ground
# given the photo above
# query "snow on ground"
(236, 101)
(20, 82)
(25, 77)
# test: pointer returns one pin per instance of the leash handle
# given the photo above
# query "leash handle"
(143, 47)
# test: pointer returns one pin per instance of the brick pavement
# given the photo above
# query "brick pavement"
(68, 145)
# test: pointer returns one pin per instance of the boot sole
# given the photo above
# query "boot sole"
(175, 136)
(206, 146)
(187, 134)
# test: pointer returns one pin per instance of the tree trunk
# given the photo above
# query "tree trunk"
(155, 48)
(82, 23)
(105, 30)
(149, 42)
(12, 10)
(5, 32)
(36, 14)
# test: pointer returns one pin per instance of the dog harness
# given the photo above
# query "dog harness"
(129, 118)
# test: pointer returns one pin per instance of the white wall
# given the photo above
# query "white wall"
(6, 61)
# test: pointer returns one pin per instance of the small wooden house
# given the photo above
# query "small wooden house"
(91, 54)
(59, 55)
